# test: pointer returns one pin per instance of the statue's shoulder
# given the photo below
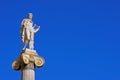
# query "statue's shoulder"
(25, 19)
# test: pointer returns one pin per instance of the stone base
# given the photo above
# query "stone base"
(29, 51)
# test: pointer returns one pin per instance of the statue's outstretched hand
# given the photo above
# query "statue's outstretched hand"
(36, 28)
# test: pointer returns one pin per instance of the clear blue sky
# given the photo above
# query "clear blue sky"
(79, 39)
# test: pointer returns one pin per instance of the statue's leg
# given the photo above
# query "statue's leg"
(31, 45)
(28, 34)
(27, 38)
(25, 44)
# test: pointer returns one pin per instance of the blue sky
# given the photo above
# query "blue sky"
(79, 39)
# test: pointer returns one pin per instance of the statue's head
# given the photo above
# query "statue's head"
(30, 16)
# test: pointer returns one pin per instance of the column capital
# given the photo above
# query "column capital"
(28, 56)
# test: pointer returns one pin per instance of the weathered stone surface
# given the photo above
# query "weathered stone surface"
(27, 56)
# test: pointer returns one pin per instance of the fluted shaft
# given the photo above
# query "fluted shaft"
(28, 71)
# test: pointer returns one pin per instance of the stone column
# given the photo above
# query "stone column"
(28, 71)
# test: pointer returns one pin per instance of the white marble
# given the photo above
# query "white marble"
(28, 31)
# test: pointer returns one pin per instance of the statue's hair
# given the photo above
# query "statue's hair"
(30, 14)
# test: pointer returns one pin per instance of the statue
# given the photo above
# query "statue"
(28, 31)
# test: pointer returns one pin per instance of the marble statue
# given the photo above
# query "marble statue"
(28, 31)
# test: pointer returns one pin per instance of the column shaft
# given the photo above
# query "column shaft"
(28, 72)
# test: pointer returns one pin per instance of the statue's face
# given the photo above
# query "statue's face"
(30, 16)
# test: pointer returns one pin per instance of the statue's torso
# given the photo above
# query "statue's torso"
(29, 25)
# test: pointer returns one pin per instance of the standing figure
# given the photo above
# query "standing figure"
(27, 32)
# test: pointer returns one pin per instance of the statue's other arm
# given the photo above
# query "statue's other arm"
(22, 25)
(22, 29)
